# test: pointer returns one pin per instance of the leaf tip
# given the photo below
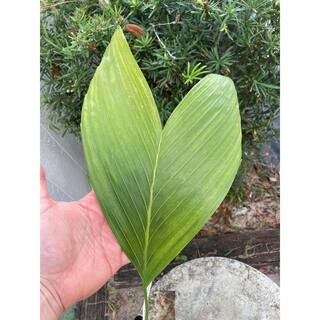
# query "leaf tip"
(219, 77)
(118, 33)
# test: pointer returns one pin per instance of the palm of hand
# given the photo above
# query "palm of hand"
(79, 253)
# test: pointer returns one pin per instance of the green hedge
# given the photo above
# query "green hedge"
(181, 42)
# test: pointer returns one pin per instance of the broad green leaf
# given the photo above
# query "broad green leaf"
(157, 186)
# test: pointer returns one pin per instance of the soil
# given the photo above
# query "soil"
(259, 210)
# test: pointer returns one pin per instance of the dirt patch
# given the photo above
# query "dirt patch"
(124, 304)
(259, 210)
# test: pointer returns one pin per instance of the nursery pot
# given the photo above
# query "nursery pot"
(214, 289)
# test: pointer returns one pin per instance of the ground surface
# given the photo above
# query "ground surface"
(126, 304)
(259, 210)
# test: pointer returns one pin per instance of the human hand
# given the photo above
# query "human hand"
(79, 252)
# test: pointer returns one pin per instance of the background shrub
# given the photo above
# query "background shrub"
(176, 43)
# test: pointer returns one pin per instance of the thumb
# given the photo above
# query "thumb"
(45, 201)
(44, 194)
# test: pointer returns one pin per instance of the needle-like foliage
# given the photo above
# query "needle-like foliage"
(180, 42)
(175, 43)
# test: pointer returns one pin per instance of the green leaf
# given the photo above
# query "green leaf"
(157, 186)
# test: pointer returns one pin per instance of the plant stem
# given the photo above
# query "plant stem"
(146, 292)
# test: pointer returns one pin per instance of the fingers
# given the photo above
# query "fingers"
(44, 194)
(90, 201)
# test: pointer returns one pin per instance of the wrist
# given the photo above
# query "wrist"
(51, 306)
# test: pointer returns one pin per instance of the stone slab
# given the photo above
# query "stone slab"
(214, 288)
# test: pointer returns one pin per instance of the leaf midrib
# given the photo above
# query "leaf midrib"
(149, 209)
